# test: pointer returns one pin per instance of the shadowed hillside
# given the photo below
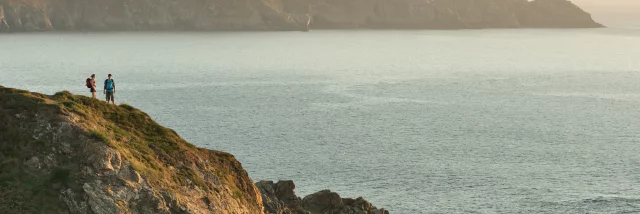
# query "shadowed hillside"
(94, 15)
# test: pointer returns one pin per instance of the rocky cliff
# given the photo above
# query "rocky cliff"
(94, 15)
(73, 154)
(280, 198)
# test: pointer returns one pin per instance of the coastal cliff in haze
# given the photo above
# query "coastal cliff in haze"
(212, 15)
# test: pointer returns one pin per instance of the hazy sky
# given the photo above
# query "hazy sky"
(607, 2)
(613, 13)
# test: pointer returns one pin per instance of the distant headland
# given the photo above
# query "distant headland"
(287, 15)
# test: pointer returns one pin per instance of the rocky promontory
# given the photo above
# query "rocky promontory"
(66, 153)
(212, 15)
(280, 198)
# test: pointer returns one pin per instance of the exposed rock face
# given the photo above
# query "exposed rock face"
(72, 154)
(43, 15)
(280, 198)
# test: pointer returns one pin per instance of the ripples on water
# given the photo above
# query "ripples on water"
(492, 121)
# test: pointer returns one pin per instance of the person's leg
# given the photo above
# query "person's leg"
(110, 98)
(113, 98)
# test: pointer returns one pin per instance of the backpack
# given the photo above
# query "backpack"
(89, 85)
(109, 84)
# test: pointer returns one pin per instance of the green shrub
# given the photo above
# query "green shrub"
(60, 175)
(99, 136)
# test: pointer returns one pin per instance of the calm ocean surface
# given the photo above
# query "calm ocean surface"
(477, 121)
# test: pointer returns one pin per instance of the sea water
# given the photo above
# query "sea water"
(468, 121)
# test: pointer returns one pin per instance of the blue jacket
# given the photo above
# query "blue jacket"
(109, 85)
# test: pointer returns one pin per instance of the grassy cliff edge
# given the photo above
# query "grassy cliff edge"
(72, 154)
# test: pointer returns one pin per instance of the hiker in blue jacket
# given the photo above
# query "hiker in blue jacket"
(110, 89)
